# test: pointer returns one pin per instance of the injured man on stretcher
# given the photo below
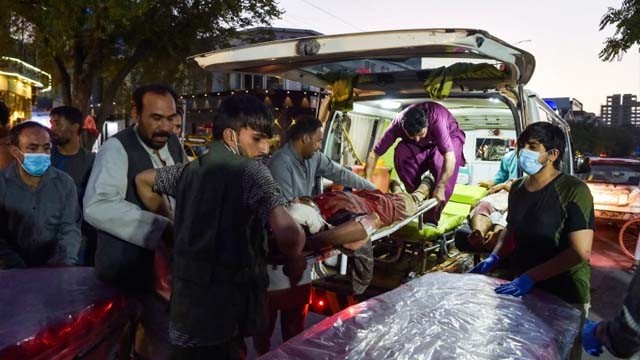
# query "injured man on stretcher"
(335, 219)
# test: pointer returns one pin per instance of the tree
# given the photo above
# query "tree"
(93, 45)
(627, 22)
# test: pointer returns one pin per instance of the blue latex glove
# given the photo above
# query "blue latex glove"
(486, 265)
(519, 287)
(590, 342)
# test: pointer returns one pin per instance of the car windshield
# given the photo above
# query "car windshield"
(619, 174)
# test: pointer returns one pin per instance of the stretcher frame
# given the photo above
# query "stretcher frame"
(377, 235)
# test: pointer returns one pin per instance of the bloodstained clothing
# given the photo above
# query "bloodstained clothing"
(389, 207)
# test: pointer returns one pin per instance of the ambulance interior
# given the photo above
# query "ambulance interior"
(412, 249)
(488, 123)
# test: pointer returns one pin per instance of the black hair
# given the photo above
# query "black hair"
(72, 114)
(4, 114)
(414, 120)
(14, 133)
(240, 110)
(549, 135)
(158, 89)
(304, 125)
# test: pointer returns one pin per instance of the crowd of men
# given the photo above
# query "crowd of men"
(226, 212)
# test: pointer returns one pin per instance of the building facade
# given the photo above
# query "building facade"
(20, 83)
(621, 110)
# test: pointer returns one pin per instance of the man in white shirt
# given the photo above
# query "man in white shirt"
(127, 232)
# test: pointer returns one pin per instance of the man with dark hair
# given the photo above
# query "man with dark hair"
(295, 168)
(225, 201)
(43, 225)
(431, 141)
(5, 156)
(127, 232)
(297, 164)
(69, 156)
(549, 226)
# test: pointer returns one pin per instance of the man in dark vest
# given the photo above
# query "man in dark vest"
(127, 232)
(225, 200)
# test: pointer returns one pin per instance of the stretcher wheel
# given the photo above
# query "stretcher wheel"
(629, 237)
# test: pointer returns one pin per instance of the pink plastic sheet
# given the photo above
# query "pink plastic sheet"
(442, 316)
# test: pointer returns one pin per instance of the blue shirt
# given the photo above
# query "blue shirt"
(508, 168)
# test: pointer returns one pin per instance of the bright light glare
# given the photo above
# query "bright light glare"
(390, 105)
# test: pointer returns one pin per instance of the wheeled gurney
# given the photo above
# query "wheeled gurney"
(442, 316)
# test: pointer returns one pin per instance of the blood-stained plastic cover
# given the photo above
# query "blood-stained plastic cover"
(442, 316)
(57, 313)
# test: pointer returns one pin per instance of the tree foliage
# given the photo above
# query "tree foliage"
(614, 141)
(626, 19)
(92, 46)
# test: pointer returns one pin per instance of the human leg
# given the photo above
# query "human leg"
(153, 336)
(262, 341)
(293, 316)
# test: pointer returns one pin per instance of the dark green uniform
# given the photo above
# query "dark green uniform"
(541, 222)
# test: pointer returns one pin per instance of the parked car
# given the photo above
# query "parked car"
(615, 186)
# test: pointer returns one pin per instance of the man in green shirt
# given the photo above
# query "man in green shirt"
(550, 224)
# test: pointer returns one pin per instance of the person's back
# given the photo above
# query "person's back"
(219, 251)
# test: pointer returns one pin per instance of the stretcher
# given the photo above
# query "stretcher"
(423, 240)
(379, 234)
(442, 316)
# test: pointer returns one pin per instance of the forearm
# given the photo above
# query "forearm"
(289, 237)
(448, 166)
(348, 232)
(370, 167)
(501, 250)
(127, 222)
(68, 246)
(153, 201)
(556, 265)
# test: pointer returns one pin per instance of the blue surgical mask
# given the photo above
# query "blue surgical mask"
(36, 164)
(528, 161)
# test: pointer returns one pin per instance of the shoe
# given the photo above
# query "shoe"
(395, 186)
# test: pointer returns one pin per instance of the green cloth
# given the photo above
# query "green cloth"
(541, 222)
(468, 194)
(439, 81)
(453, 215)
